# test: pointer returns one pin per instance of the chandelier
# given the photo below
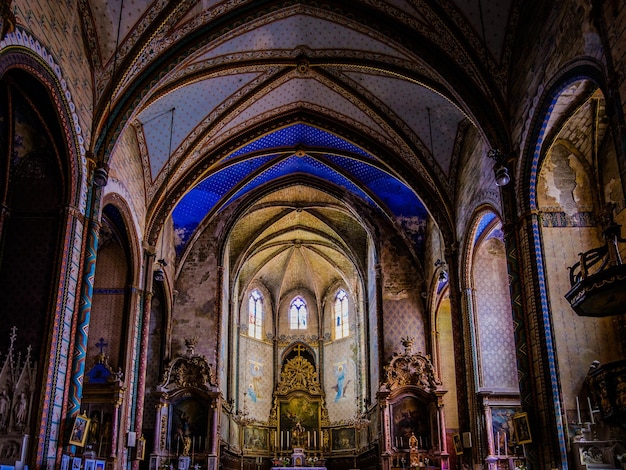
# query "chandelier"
(242, 417)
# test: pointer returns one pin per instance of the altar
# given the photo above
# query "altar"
(300, 468)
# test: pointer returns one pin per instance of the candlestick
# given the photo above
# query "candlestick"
(593, 421)
(578, 410)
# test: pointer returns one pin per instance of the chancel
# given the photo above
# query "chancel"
(260, 234)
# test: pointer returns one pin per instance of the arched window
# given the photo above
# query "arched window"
(342, 327)
(298, 314)
(255, 315)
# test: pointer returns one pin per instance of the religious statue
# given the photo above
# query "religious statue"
(298, 435)
(414, 456)
(4, 409)
(186, 446)
(20, 411)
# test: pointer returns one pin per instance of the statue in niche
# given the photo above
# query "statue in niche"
(4, 409)
(20, 411)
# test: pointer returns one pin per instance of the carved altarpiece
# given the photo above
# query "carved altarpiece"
(299, 417)
(17, 385)
(103, 395)
(411, 404)
(187, 413)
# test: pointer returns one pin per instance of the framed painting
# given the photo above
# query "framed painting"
(77, 463)
(408, 416)
(141, 448)
(458, 444)
(502, 428)
(189, 418)
(522, 428)
(299, 409)
(79, 431)
(65, 462)
(100, 464)
(342, 439)
(255, 439)
(90, 464)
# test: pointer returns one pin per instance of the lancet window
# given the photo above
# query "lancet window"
(298, 314)
(342, 326)
(255, 315)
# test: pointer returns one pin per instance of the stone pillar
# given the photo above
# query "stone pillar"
(215, 439)
(92, 228)
(149, 256)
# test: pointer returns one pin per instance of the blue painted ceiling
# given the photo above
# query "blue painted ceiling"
(272, 157)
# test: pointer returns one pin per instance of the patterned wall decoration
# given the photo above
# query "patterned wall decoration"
(496, 348)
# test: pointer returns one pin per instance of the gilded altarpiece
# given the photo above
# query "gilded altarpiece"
(411, 404)
(299, 417)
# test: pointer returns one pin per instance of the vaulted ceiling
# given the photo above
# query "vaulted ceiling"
(229, 99)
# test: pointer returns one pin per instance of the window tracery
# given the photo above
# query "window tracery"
(255, 315)
(298, 314)
(342, 326)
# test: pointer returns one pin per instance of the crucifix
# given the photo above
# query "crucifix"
(101, 344)
(299, 348)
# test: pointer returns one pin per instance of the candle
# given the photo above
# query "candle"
(308, 439)
(578, 410)
(315, 439)
(498, 443)
(288, 439)
(506, 449)
(282, 439)
(593, 421)
(275, 440)
(396, 441)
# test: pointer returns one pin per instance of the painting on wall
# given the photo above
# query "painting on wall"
(189, 418)
(256, 376)
(340, 388)
(299, 409)
(408, 416)
(502, 428)
(255, 438)
(342, 439)
(522, 428)
(79, 431)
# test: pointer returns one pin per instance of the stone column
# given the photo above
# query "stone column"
(149, 256)
(91, 233)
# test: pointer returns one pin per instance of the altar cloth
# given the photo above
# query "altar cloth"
(299, 468)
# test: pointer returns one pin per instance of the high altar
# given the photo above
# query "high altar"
(299, 418)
